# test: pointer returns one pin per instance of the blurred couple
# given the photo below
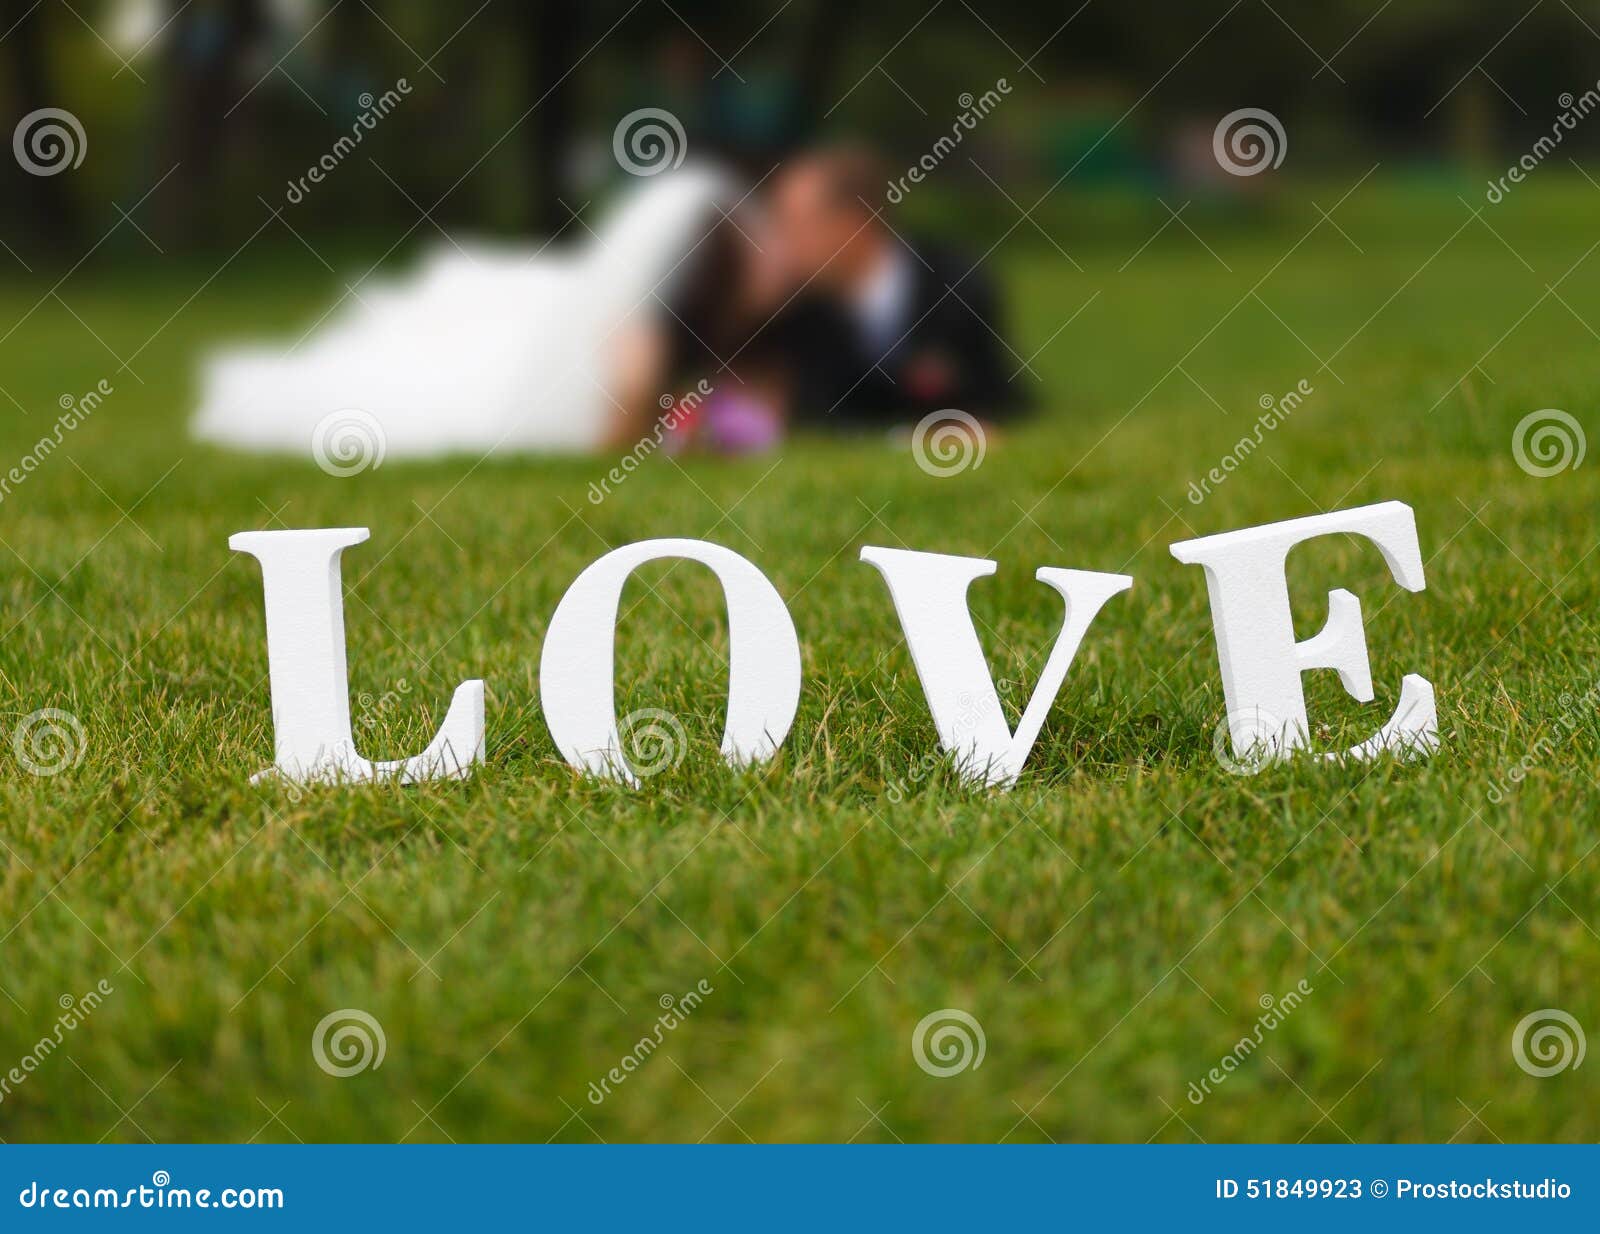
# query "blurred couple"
(793, 304)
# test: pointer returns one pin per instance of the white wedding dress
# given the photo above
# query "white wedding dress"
(482, 348)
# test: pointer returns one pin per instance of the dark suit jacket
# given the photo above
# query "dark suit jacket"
(951, 355)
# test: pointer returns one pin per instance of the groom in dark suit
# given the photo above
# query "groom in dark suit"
(881, 329)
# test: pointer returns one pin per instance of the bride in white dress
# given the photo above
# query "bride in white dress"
(483, 348)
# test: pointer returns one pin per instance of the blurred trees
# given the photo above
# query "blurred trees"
(508, 120)
(42, 204)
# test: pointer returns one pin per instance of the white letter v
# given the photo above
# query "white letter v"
(930, 594)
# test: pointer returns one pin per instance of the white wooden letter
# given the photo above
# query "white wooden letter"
(306, 664)
(1260, 660)
(929, 591)
(576, 670)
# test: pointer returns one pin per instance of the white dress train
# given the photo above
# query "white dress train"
(482, 348)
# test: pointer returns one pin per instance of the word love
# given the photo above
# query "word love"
(1261, 661)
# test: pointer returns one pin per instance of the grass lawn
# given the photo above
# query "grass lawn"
(1114, 924)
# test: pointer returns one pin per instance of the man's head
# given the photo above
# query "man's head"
(824, 216)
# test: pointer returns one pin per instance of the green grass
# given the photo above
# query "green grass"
(1112, 923)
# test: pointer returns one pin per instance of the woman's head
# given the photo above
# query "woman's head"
(729, 284)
